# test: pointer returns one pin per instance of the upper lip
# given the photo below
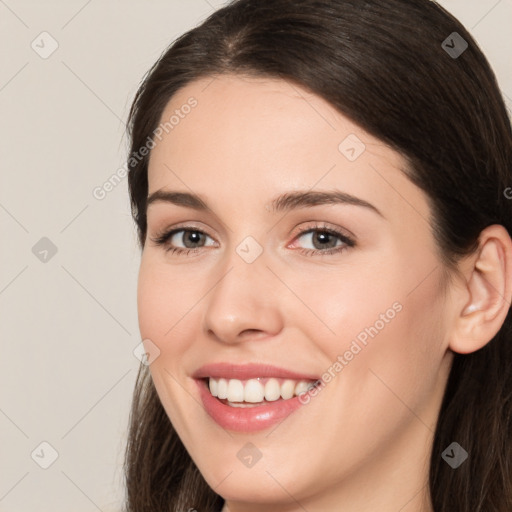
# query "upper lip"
(248, 371)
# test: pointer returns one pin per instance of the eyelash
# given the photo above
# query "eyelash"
(163, 238)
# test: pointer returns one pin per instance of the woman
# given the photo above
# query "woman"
(320, 191)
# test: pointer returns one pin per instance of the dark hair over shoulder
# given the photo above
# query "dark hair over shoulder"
(382, 64)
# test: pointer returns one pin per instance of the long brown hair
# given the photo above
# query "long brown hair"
(386, 65)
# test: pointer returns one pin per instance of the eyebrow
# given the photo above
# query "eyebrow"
(283, 203)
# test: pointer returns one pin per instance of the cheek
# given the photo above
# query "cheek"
(151, 303)
(400, 334)
(161, 302)
(388, 320)
(349, 308)
(162, 313)
(162, 318)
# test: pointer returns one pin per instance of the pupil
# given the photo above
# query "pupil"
(323, 238)
(195, 234)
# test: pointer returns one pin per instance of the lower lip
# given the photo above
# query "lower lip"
(246, 419)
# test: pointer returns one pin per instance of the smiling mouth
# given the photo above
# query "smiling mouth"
(254, 404)
(257, 391)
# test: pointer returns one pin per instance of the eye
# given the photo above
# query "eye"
(192, 238)
(325, 240)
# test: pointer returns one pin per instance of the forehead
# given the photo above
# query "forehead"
(258, 136)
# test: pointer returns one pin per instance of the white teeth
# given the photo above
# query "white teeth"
(214, 387)
(301, 387)
(235, 391)
(222, 388)
(272, 390)
(287, 389)
(253, 391)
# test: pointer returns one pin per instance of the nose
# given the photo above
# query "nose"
(243, 304)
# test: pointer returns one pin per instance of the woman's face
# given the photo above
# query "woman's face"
(360, 306)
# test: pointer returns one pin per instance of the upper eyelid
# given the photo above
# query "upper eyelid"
(314, 225)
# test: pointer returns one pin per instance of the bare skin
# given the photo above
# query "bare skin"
(363, 443)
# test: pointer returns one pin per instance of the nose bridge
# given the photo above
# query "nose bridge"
(241, 297)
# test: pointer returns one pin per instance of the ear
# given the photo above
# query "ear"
(486, 297)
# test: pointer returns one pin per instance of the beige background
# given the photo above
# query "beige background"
(69, 323)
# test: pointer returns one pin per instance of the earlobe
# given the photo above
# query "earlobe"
(489, 285)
